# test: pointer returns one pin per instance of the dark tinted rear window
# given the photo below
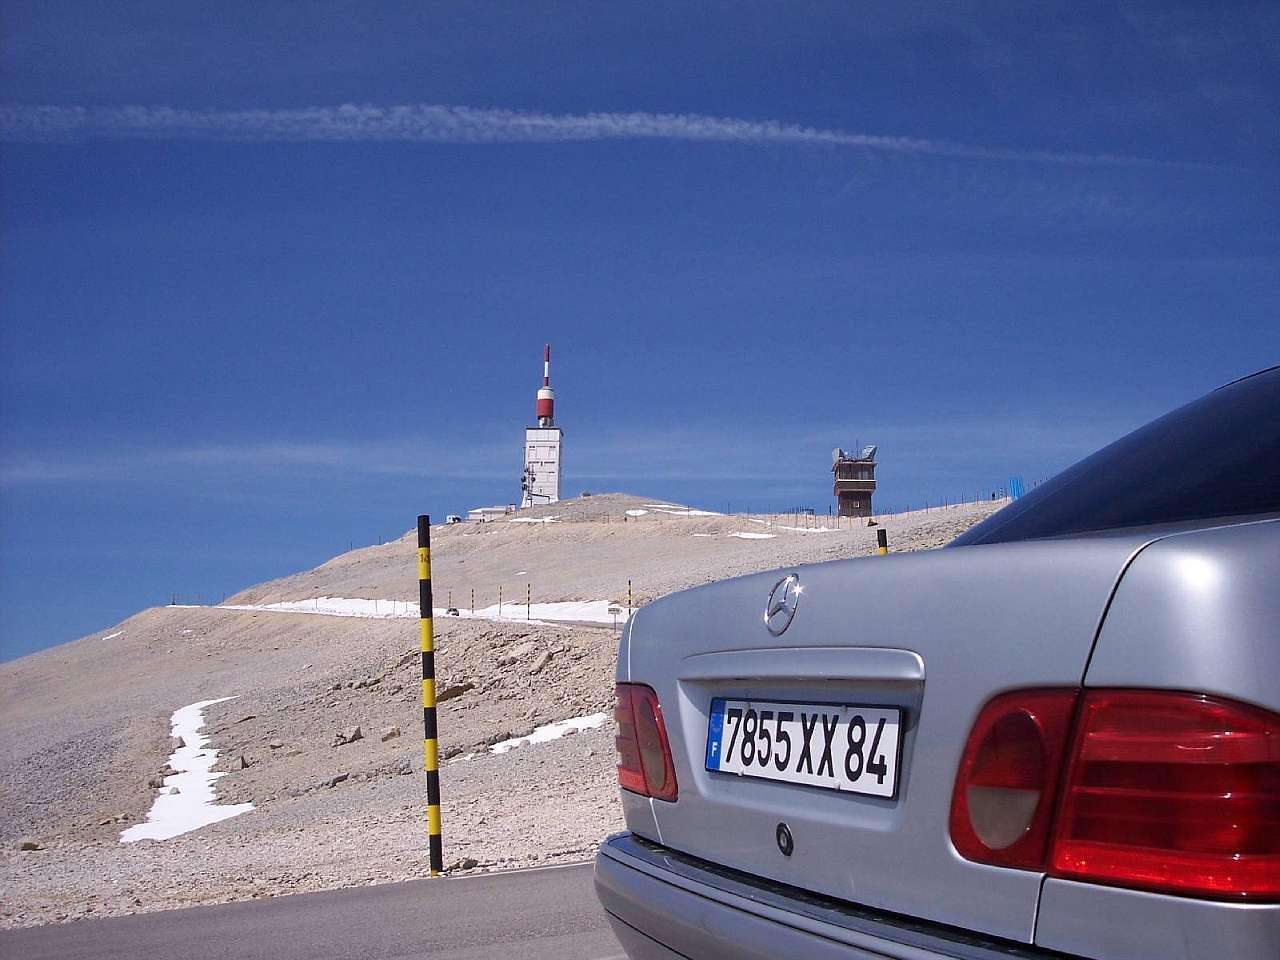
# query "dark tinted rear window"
(1218, 456)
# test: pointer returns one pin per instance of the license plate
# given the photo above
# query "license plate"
(847, 747)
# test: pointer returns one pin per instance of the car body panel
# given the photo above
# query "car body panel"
(1200, 611)
(1090, 920)
(935, 633)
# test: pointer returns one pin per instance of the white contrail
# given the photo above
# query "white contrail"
(433, 123)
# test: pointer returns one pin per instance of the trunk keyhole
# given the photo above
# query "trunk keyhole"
(785, 842)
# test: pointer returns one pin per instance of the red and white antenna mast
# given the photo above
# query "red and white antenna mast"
(546, 396)
(542, 444)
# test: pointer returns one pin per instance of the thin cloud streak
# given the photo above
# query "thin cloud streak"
(437, 123)
(955, 446)
(409, 458)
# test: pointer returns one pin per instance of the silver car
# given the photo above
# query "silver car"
(1059, 736)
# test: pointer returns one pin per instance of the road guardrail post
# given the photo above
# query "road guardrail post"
(430, 734)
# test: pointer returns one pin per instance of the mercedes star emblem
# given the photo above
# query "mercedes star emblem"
(781, 608)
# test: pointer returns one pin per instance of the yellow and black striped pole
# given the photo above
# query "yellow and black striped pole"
(882, 542)
(431, 742)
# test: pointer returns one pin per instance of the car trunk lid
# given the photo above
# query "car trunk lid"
(927, 637)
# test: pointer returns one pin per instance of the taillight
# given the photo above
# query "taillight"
(1002, 807)
(1175, 792)
(644, 755)
(1166, 791)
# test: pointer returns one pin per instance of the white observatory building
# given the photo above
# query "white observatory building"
(540, 482)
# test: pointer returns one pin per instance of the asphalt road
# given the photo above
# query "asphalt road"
(545, 914)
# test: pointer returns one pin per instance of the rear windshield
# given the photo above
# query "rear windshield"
(1218, 456)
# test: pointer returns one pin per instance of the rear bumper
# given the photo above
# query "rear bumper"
(664, 905)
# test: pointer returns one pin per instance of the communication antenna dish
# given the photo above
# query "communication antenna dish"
(868, 452)
(837, 455)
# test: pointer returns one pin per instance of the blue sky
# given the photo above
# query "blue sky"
(275, 279)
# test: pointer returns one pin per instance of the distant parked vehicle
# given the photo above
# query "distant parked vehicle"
(452, 612)
(1059, 736)
(451, 518)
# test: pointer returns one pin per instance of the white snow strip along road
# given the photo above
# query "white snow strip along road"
(338, 607)
(191, 804)
(676, 511)
(576, 611)
(777, 526)
(552, 731)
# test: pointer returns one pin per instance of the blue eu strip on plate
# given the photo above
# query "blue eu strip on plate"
(715, 733)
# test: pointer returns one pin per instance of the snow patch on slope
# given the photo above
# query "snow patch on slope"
(675, 511)
(192, 805)
(778, 526)
(552, 731)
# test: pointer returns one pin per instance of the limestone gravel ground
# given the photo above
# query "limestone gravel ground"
(86, 724)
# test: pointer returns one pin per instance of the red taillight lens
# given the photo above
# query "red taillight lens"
(1166, 791)
(1175, 792)
(630, 772)
(645, 765)
(1003, 802)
